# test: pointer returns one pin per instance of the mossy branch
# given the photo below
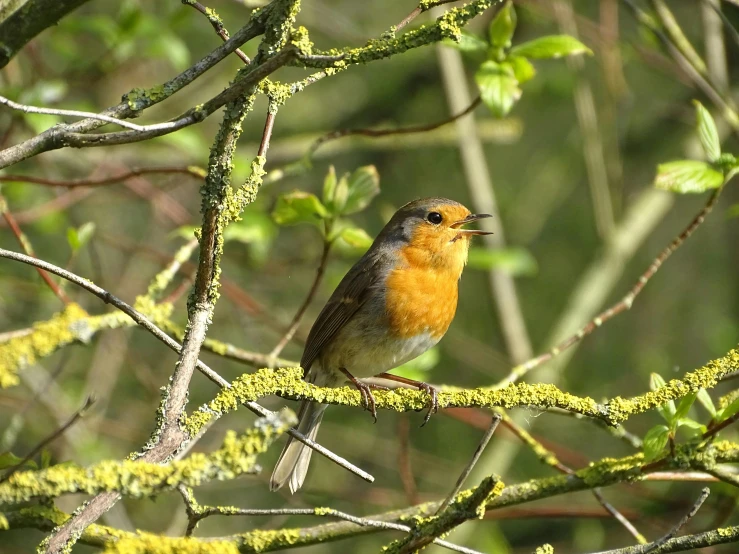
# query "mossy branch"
(237, 456)
(604, 473)
(288, 383)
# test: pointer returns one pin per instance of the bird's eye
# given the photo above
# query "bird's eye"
(434, 217)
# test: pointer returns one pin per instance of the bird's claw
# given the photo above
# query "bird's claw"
(434, 400)
(368, 400)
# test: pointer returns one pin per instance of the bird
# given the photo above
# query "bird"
(394, 304)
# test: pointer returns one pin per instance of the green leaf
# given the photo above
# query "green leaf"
(687, 176)
(329, 189)
(729, 411)
(553, 46)
(417, 368)
(356, 238)
(667, 410)
(78, 238)
(73, 239)
(516, 261)
(498, 87)
(364, 185)
(523, 69)
(468, 42)
(683, 407)
(45, 458)
(503, 26)
(299, 207)
(694, 426)
(705, 399)
(8, 459)
(257, 230)
(707, 132)
(655, 441)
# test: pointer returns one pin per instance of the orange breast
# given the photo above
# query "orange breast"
(420, 300)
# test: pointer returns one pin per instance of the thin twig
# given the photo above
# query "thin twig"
(374, 133)
(719, 426)
(196, 513)
(25, 244)
(217, 24)
(196, 172)
(297, 318)
(419, 10)
(70, 113)
(663, 541)
(624, 304)
(143, 321)
(53, 436)
(475, 457)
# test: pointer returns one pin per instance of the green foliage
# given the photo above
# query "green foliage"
(692, 176)
(299, 207)
(498, 78)
(655, 441)
(516, 261)
(79, 237)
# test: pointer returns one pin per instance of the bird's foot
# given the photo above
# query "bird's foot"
(433, 393)
(365, 390)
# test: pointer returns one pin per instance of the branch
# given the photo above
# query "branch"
(193, 171)
(625, 303)
(139, 479)
(135, 101)
(28, 19)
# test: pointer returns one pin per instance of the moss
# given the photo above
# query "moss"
(544, 549)
(609, 470)
(162, 279)
(44, 339)
(449, 25)
(4, 525)
(236, 456)
(152, 544)
(620, 409)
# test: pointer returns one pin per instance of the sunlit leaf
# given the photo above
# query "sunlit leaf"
(8, 459)
(255, 229)
(655, 441)
(705, 399)
(553, 46)
(687, 176)
(667, 410)
(356, 238)
(695, 427)
(503, 26)
(683, 407)
(707, 132)
(468, 42)
(498, 87)
(523, 69)
(728, 411)
(299, 207)
(329, 189)
(516, 261)
(364, 185)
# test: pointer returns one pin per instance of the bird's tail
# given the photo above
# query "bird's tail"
(292, 465)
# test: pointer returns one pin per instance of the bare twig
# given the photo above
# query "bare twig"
(471, 464)
(624, 304)
(217, 24)
(196, 513)
(419, 10)
(665, 540)
(374, 133)
(195, 172)
(174, 345)
(287, 337)
(69, 113)
(53, 436)
(28, 249)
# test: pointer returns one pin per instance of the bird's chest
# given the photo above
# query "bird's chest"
(420, 301)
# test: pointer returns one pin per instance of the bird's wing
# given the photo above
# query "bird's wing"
(353, 291)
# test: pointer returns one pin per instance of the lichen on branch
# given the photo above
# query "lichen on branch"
(237, 456)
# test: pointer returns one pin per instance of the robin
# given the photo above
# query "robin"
(394, 304)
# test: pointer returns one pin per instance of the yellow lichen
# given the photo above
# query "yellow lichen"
(44, 339)
(236, 456)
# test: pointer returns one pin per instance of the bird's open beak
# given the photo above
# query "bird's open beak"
(469, 219)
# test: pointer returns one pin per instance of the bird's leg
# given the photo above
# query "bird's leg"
(365, 390)
(433, 392)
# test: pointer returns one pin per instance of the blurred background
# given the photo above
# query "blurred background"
(571, 168)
